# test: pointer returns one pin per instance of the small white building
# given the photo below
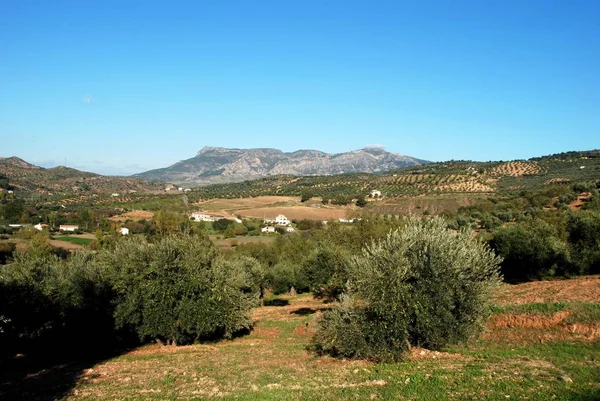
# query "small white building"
(115, 195)
(68, 227)
(343, 220)
(268, 229)
(290, 229)
(198, 216)
(124, 231)
(187, 190)
(40, 226)
(375, 194)
(281, 220)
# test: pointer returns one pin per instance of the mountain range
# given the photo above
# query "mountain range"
(20, 175)
(213, 165)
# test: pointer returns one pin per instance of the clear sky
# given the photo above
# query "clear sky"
(125, 86)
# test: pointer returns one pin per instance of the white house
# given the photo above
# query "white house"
(124, 231)
(281, 220)
(290, 229)
(40, 226)
(375, 194)
(198, 216)
(268, 229)
(343, 220)
(68, 227)
(115, 195)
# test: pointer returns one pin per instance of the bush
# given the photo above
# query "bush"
(176, 291)
(531, 252)
(325, 271)
(422, 285)
(50, 303)
(584, 237)
(6, 251)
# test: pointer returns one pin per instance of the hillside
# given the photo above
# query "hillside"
(23, 176)
(435, 178)
(221, 165)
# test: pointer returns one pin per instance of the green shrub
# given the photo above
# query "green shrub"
(531, 251)
(422, 285)
(177, 291)
(325, 271)
(49, 302)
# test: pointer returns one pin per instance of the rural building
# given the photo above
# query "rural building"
(281, 220)
(375, 194)
(197, 216)
(290, 229)
(124, 231)
(268, 229)
(40, 226)
(115, 195)
(343, 220)
(68, 227)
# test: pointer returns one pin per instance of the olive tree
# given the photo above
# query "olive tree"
(178, 291)
(423, 285)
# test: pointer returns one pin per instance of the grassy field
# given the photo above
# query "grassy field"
(74, 240)
(535, 348)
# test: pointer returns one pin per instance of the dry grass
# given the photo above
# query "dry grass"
(272, 362)
(246, 203)
(580, 289)
(135, 215)
(295, 213)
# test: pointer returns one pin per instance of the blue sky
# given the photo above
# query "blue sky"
(119, 87)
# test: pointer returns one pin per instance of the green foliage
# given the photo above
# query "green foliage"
(305, 196)
(584, 236)
(177, 291)
(422, 285)
(46, 301)
(361, 202)
(222, 224)
(325, 271)
(6, 251)
(530, 251)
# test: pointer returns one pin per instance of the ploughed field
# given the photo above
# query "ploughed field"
(542, 343)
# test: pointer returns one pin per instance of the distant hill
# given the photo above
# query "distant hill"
(221, 165)
(450, 177)
(24, 176)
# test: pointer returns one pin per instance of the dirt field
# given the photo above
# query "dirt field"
(580, 289)
(133, 215)
(246, 203)
(294, 213)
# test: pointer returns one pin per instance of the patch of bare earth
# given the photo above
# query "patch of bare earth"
(65, 244)
(133, 215)
(581, 199)
(526, 328)
(580, 289)
(294, 213)
(245, 203)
